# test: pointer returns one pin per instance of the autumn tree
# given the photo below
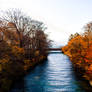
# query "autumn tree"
(73, 36)
(88, 33)
(20, 21)
(26, 28)
(23, 44)
(79, 49)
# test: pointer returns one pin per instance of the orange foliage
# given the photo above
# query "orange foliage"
(17, 50)
(79, 49)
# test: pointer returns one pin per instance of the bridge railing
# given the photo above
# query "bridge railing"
(54, 49)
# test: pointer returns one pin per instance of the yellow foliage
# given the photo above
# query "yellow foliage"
(17, 50)
(37, 53)
(27, 62)
(0, 67)
(25, 67)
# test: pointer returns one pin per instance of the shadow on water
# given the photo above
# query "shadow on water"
(84, 84)
(56, 74)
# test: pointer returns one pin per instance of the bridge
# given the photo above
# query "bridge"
(54, 49)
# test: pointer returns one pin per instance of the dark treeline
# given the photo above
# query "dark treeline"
(23, 44)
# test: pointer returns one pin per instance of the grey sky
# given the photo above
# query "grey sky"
(62, 17)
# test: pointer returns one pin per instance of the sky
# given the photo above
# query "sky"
(62, 17)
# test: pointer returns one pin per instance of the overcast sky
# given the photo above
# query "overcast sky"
(62, 17)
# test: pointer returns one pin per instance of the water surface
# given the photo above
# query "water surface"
(54, 75)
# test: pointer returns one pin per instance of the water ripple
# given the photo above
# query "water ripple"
(55, 75)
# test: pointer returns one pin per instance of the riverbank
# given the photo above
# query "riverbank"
(79, 73)
(80, 70)
(80, 53)
(14, 64)
(23, 44)
(13, 70)
(54, 74)
(29, 68)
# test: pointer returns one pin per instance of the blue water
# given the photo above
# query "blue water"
(54, 75)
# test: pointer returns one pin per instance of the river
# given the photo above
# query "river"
(54, 75)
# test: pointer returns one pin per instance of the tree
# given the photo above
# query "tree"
(88, 33)
(29, 33)
(21, 22)
(25, 27)
(73, 36)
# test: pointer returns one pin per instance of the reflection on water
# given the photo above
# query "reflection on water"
(54, 75)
